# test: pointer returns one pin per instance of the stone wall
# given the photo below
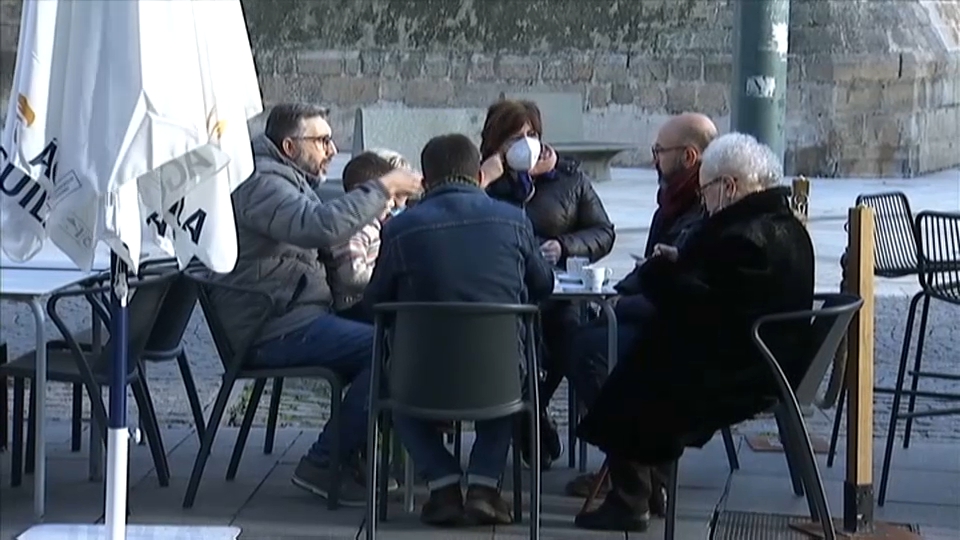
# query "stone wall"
(874, 85)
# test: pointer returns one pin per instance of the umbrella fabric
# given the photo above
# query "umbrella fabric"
(147, 136)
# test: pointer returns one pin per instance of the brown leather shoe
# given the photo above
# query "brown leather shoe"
(444, 508)
(485, 506)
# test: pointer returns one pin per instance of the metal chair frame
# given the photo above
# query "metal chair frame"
(382, 405)
(234, 370)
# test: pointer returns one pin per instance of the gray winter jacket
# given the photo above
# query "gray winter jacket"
(281, 225)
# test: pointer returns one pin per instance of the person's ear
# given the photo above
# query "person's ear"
(690, 157)
(289, 148)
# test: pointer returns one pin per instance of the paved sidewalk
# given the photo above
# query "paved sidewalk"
(925, 492)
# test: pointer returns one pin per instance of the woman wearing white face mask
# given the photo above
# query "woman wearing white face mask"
(567, 215)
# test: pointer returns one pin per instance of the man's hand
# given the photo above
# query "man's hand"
(551, 251)
(402, 183)
(669, 253)
(490, 170)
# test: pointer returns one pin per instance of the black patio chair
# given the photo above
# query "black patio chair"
(70, 362)
(898, 254)
(830, 323)
(234, 370)
(938, 243)
(164, 345)
(453, 361)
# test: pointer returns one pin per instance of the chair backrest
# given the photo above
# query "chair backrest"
(896, 246)
(562, 114)
(147, 296)
(230, 358)
(457, 360)
(174, 315)
(829, 321)
(938, 242)
(408, 130)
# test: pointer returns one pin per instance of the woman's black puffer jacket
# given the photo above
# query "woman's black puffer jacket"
(565, 208)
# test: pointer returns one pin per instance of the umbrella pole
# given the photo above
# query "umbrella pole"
(115, 513)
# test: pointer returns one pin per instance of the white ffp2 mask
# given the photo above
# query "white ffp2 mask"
(524, 154)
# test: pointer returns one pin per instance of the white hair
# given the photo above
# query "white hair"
(395, 158)
(743, 157)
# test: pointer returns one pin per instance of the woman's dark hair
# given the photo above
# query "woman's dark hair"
(286, 119)
(362, 168)
(504, 118)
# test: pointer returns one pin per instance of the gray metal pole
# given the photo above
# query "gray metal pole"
(759, 93)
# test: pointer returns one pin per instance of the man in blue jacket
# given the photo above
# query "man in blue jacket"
(459, 245)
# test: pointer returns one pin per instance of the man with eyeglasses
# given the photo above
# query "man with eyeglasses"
(677, 155)
(282, 225)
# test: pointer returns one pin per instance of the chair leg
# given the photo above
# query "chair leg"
(789, 452)
(333, 425)
(29, 460)
(897, 395)
(813, 483)
(837, 418)
(373, 464)
(248, 416)
(16, 445)
(386, 425)
(272, 414)
(535, 474)
(915, 379)
(196, 409)
(573, 416)
(517, 469)
(4, 434)
(209, 432)
(673, 486)
(76, 418)
(149, 424)
(731, 448)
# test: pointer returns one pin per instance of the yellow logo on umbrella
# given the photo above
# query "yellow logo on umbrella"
(215, 128)
(25, 111)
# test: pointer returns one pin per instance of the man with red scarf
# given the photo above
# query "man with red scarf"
(676, 154)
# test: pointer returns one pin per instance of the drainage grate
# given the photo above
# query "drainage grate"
(754, 526)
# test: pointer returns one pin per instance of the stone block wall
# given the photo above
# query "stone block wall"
(874, 85)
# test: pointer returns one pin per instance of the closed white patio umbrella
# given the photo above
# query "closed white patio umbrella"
(127, 125)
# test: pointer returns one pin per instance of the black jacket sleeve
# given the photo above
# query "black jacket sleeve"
(594, 235)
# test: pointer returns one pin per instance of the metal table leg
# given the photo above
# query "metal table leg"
(611, 316)
(40, 389)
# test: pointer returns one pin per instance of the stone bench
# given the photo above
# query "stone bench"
(407, 130)
(563, 129)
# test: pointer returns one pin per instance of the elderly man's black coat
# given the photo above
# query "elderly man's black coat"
(696, 369)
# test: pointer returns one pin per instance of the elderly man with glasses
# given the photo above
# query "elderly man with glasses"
(694, 368)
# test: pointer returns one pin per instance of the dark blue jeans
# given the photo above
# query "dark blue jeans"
(343, 346)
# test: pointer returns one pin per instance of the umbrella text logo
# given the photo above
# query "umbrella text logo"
(18, 184)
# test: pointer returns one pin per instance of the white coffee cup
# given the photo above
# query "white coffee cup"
(524, 154)
(594, 277)
(575, 266)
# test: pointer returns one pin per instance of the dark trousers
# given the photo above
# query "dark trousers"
(558, 323)
(638, 486)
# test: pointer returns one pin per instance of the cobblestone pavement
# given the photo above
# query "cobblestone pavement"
(305, 403)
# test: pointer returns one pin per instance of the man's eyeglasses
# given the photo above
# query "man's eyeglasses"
(657, 150)
(324, 140)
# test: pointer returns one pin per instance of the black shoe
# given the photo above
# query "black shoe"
(614, 515)
(444, 508)
(551, 444)
(318, 480)
(485, 506)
